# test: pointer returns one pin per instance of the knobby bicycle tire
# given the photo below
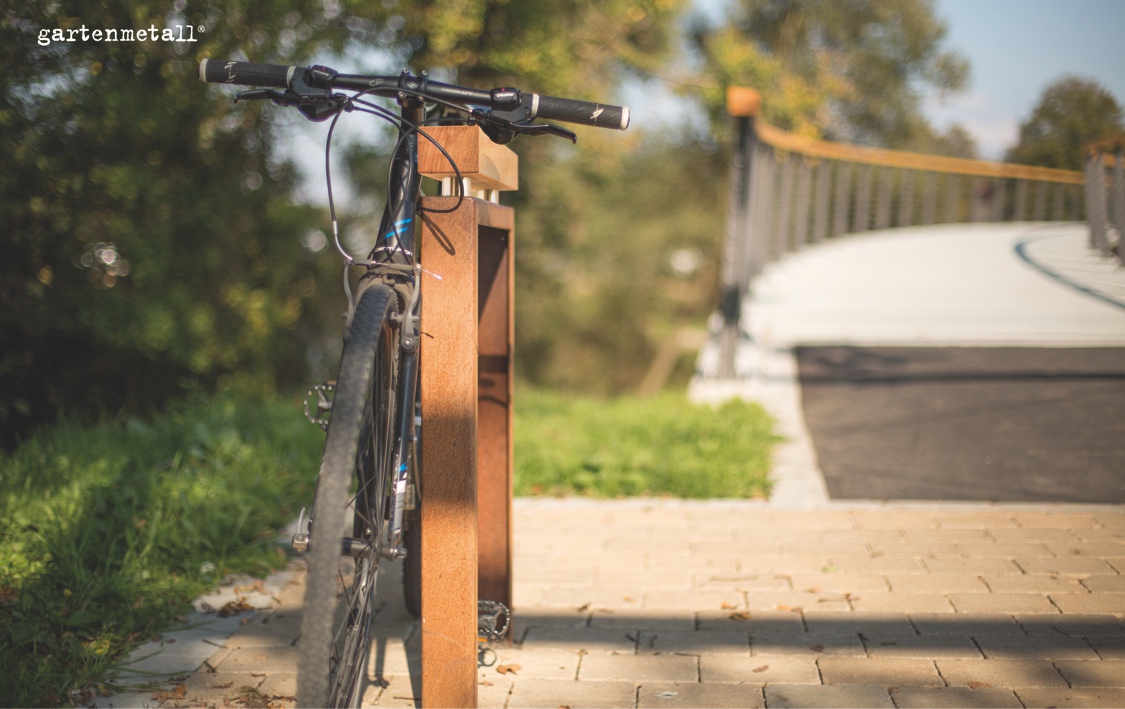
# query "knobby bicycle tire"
(339, 593)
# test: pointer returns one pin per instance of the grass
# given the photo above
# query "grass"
(107, 533)
(633, 446)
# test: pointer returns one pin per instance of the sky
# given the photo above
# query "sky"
(1016, 48)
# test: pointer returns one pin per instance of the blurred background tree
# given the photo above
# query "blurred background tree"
(852, 70)
(157, 239)
(153, 237)
(1071, 113)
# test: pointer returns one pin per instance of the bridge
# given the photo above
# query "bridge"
(924, 327)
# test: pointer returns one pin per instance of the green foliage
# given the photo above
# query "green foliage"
(849, 70)
(108, 532)
(596, 235)
(633, 446)
(148, 239)
(151, 243)
(1071, 113)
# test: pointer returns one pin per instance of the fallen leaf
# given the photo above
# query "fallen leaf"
(257, 587)
(629, 599)
(8, 595)
(781, 607)
(224, 685)
(509, 669)
(583, 608)
(728, 606)
(740, 616)
(261, 656)
(177, 692)
(234, 607)
(763, 668)
(484, 683)
(978, 685)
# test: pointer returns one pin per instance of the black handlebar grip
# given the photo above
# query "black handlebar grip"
(572, 111)
(217, 71)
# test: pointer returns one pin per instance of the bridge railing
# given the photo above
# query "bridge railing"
(1105, 197)
(787, 191)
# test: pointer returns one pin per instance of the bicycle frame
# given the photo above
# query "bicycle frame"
(396, 247)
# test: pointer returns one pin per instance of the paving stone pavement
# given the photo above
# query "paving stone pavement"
(799, 602)
(667, 603)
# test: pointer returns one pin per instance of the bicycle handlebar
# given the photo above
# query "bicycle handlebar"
(584, 112)
(282, 77)
(247, 73)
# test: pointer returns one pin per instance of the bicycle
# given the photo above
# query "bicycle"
(369, 468)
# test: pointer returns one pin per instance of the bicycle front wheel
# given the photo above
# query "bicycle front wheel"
(352, 496)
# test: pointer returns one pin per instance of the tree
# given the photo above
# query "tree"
(148, 237)
(151, 240)
(1071, 113)
(850, 70)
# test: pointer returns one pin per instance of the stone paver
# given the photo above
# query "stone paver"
(785, 696)
(677, 694)
(826, 630)
(884, 671)
(929, 697)
(1062, 698)
(763, 669)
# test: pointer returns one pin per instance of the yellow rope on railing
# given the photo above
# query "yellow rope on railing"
(743, 102)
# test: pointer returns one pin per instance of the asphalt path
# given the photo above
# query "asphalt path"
(973, 362)
(967, 423)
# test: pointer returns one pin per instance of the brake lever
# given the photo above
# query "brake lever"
(501, 130)
(258, 95)
(314, 104)
(530, 128)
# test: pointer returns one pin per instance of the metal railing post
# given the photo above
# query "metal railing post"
(1020, 209)
(841, 203)
(804, 199)
(823, 200)
(736, 255)
(1095, 202)
(883, 201)
(906, 198)
(1118, 201)
(863, 198)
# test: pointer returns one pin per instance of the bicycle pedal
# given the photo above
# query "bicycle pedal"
(301, 536)
(489, 614)
(321, 393)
